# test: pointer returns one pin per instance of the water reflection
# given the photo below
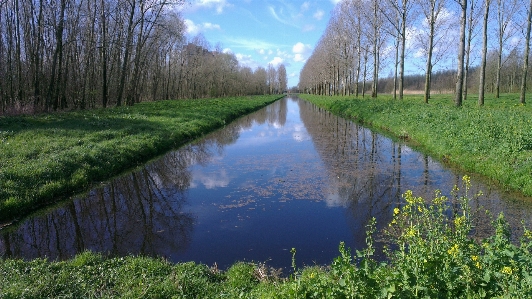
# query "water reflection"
(369, 173)
(289, 175)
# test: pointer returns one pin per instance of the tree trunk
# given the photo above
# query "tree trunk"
(527, 51)
(104, 54)
(461, 52)
(482, 83)
(374, 86)
(37, 33)
(125, 62)
(396, 65)
(53, 89)
(403, 42)
(428, 73)
(468, 49)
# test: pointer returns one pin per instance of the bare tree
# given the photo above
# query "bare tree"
(461, 53)
(505, 12)
(526, 54)
(474, 13)
(431, 10)
(272, 79)
(401, 14)
(482, 78)
(282, 77)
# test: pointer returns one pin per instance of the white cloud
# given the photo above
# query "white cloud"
(276, 61)
(211, 180)
(335, 1)
(281, 17)
(250, 44)
(318, 15)
(246, 60)
(193, 28)
(282, 53)
(218, 5)
(308, 27)
(301, 52)
(210, 26)
(305, 6)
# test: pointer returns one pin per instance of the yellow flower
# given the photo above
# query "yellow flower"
(459, 221)
(454, 250)
(411, 232)
(467, 180)
(527, 234)
(507, 270)
(409, 197)
(474, 258)
(439, 200)
(396, 211)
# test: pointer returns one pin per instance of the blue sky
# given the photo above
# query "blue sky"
(260, 32)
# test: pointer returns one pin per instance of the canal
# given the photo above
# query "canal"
(288, 176)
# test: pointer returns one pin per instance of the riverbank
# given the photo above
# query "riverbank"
(435, 256)
(494, 140)
(49, 157)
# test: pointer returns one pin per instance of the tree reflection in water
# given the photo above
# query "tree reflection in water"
(139, 213)
(369, 173)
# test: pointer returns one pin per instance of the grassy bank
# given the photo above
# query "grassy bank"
(48, 157)
(494, 140)
(434, 257)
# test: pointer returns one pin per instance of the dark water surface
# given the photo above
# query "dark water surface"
(289, 175)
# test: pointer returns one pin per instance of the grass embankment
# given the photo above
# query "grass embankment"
(48, 157)
(435, 257)
(494, 140)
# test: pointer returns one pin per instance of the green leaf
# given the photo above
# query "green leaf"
(341, 282)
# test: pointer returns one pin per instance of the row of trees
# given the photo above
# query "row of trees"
(479, 39)
(77, 54)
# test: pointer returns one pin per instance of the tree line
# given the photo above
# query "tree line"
(479, 45)
(79, 54)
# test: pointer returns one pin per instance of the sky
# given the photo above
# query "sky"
(260, 32)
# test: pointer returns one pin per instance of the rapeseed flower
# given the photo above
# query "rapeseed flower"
(507, 270)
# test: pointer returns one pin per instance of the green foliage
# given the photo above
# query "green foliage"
(494, 140)
(432, 254)
(56, 155)
(241, 278)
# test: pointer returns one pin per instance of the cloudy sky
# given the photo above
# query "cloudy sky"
(260, 32)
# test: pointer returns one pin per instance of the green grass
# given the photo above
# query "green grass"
(49, 157)
(494, 140)
(433, 256)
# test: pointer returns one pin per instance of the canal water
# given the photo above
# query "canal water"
(288, 176)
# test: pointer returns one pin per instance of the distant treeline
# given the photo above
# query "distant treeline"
(444, 81)
(369, 46)
(78, 54)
